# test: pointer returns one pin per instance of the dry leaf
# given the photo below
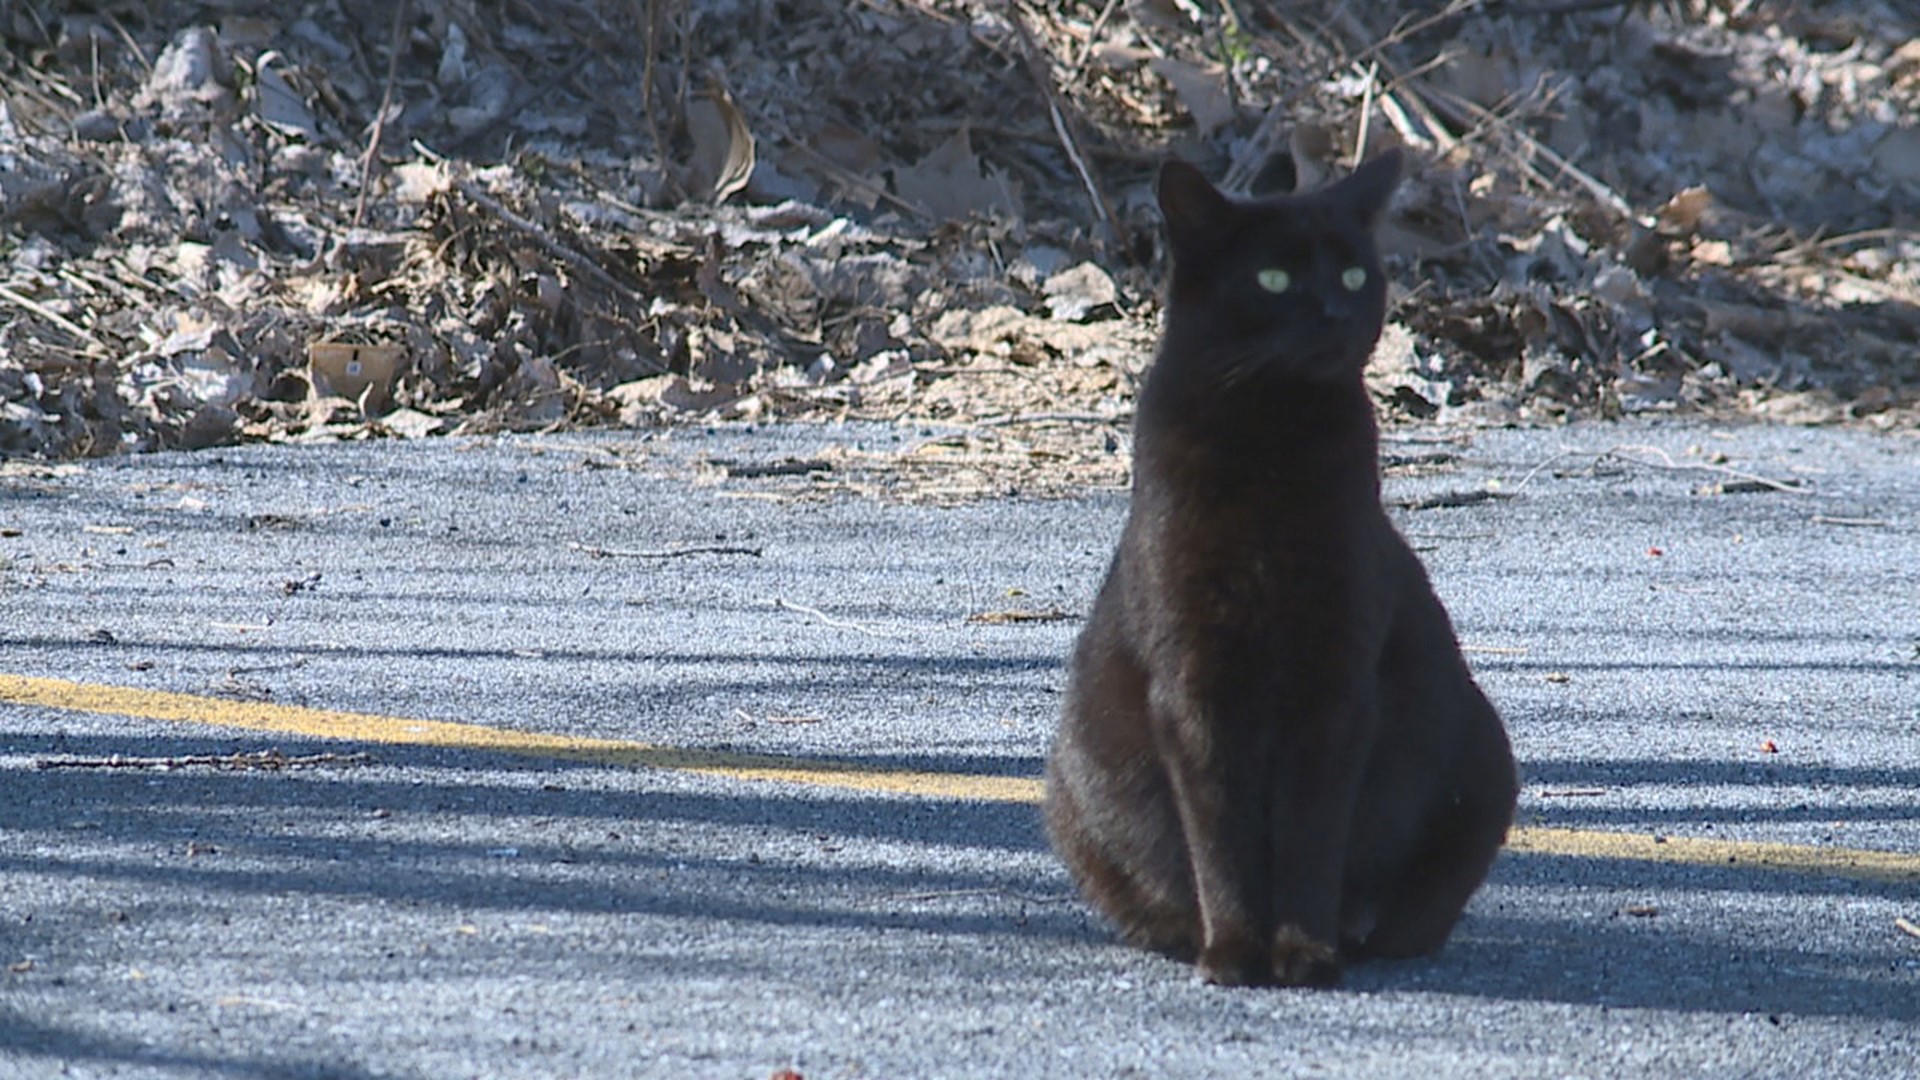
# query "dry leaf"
(1897, 159)
(1077, 292)
(412, 424)
(1118, 56)
(1313, 151)
(193, 68)
(848, 149)
(1203, 90)
(722, 143)
(1479, 75)
(1713, 253)
(951, 185)
(1163, 14)
(276, 102)
(416, 181)
(1682, 214)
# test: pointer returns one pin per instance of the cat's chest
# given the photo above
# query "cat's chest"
(1247, 562)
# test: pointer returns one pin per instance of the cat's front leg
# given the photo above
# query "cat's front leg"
(1233, 949)
(1316, 781)
(1215, 776)
(1306, 899)
(1299, 960)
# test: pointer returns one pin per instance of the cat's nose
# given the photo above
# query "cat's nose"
(1339, 305)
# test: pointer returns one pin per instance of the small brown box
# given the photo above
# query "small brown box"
(362, 373)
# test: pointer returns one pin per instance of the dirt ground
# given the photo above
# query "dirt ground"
(237, 220)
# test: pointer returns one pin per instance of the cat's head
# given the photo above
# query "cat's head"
(1294, 280)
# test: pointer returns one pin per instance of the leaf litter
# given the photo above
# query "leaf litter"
(353, 220)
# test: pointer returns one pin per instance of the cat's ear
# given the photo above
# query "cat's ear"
(1370, 187)
(1192, 206)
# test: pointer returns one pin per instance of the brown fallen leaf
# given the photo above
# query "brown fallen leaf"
(1682, 214)
(723, 147)
(1080, 291)
(952, 185)
(1203, 90)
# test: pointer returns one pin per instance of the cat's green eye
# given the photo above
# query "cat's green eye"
(1354, 278)
(1275, 280)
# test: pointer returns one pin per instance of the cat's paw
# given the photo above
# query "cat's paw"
(1299, 960)
(1234, 963)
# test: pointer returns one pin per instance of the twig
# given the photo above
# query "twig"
(372, 153)
(1667, 463)
(662, 553)
(652, 57)
(1861, 237)
(85, 335)
(132, 44)
(1906, 926)
(946, 894)
(1434, 126)
(843, 624)
(1611, 199)
(1052, 418)
(272, 760)
(1044, 78)
(1542, 467)
(290, 665)
(847, 176)
(1256, 149)
(1460, 110)
(539, 235)
(1093, 35)
(1002, 618)
(1448, 499)
(1366, 114)
(977, 369)
(1562, 7)
(1496, 650)
(753, 470)
(1852, 522)
(1409, 26)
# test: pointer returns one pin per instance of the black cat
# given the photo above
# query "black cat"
(1272, 756)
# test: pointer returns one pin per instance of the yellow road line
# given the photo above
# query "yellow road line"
(1859, 863)
(372, 728)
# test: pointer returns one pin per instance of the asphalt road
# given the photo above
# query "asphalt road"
(1705, 643)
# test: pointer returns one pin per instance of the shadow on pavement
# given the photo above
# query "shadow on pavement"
(62, 1048)
(540, 836)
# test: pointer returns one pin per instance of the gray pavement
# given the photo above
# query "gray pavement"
(1679, 647)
